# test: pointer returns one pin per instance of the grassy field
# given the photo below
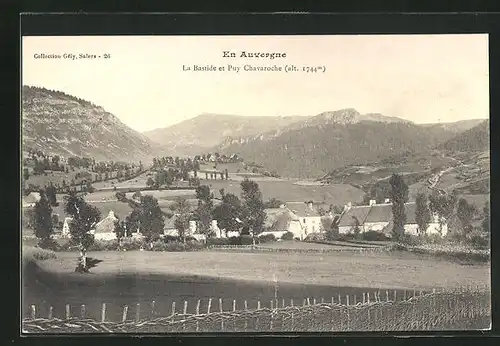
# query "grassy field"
(140, 277)
(287, 191)
(399, 270)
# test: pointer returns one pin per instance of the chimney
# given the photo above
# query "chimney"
(310, 205)
(372, 202)
(387, 201)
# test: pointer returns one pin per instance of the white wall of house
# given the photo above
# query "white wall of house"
(433, 228)
(310, 224)
(296, 228)
(374, 226)
(105, 236)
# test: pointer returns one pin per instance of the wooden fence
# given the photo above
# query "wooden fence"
(462, 309)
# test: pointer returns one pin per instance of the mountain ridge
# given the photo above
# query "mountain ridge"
(62, 124)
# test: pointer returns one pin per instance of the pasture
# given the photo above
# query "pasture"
(140, 277)
(337, 194)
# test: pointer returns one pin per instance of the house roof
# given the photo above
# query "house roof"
(302, 209)
(379, 213)
(376, 213)
(359, 213)
(33, 197)
(278, 218)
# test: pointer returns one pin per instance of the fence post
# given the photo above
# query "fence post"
(82, 311)
(153, 308)
(354, 300)
(283, 303)
(308, 302)
(103, 312)
(395, 295)
(368, 297)
(173, 311)
(257, 319)
(33, 312)
(197, 313)
(137, 312)
(386, 295)
(364, 297)
(246, 315)
(68, 312)
(340, 300)
(347, 311)
(184, 313)
(124, 316)
(404, 295)
(209, 306)
(51, 312)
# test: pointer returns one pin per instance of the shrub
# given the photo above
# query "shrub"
(287, 236)
(315, 237)
(267, 238)
(131, 244)
(104, 245)
(374, 236)
(176, 246)
(411, 240)
(35, 253)
(478, 240)
(217, 241)
(241, 240)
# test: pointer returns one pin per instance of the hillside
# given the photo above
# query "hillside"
(206, 131)
(457, 126)
(57, 123)
(474, 139)
(332, 140)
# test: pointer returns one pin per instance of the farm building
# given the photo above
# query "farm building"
(378, 217)
(30, 200)
(104, 230)
(297, 217)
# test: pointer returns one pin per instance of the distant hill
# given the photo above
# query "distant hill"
(206, 131)
(57, 123)
(330, 140)
(474, 139)
(457, 126)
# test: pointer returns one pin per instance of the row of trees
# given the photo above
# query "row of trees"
(444, 206)
(245, 215)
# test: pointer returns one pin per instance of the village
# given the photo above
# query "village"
(300, 220)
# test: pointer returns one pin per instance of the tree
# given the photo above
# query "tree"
(333, 231)
(204, 211)
(26, 173)
(51, 195)
(356, 227)
(85, 217)
(120, 196)
(121, 230)
(253, 214)
(273, 203)
(227, 174)
(150, 218)
(442, 205)
(465, 213)
(43, 221)
(137, 195)
(399, 194)
(422, 213)
(183, 213)
(150, 182)
(228, 212)
(485, 224)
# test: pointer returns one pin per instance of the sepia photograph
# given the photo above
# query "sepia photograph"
(255, 184)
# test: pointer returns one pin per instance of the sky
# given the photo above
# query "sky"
(422, 78)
